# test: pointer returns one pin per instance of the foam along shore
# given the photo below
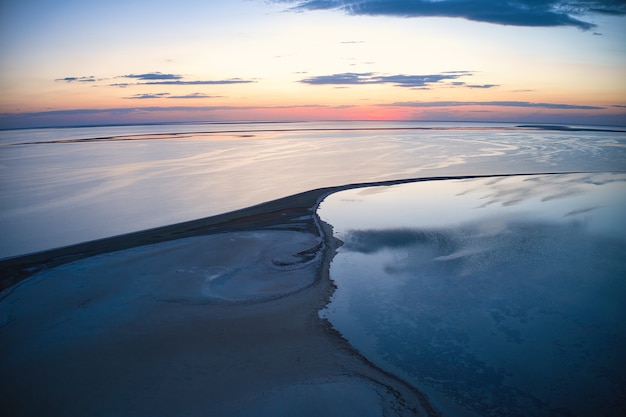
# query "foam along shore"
(213, 317)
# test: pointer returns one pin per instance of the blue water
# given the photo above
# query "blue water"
(495, 296)
(68, 185)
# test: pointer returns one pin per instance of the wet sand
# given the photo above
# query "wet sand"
(217, 316)
(151, 324)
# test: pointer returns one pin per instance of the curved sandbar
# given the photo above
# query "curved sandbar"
(140, 325)
(102, 328)
(293, 212)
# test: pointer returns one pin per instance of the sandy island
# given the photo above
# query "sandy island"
(214, 317)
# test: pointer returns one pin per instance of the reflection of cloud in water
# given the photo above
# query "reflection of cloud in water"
(371, 241)
(581, 211)
(52, 194)
(513, 317)
(509, 191)
(460, 254)
(501, 310)
(475, 248)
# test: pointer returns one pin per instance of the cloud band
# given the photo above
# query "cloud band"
(514, 13)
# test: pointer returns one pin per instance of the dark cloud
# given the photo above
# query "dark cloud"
(620, 106)
(516, 13)
(557, 106)
(400, 80)
(153, 76)
(344, 78)
(416, 80)
(89, 79)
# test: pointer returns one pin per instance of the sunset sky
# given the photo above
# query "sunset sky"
(73, 62)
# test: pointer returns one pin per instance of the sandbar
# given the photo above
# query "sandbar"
(215, 317)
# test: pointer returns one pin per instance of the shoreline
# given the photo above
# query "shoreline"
(281, 213)
(102, 337)
(117, 314)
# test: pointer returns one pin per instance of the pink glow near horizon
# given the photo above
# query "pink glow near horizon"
(253, 60)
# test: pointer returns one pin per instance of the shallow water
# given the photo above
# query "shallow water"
(495, 296)
(65, 186)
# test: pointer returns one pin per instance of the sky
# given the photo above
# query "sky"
(72, 62)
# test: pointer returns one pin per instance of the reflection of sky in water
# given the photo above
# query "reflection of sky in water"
(499, 296)
(58, 186)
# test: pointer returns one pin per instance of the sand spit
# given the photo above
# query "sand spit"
(290, 212)
(217, 317)
(293, 213)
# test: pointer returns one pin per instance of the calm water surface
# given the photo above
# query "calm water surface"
(495, 296)
(502, 296)
(64, 186)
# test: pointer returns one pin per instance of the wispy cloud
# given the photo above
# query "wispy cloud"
(194, 95)
(481, 85)
(185, 82)
(516, 13)
(399, 80)
(88, 79)
(557, 106)
(199, 82)
(153, 76)
(169, 95)
(158, 109)
(620, 106)
(344, 78)
(147, 96)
